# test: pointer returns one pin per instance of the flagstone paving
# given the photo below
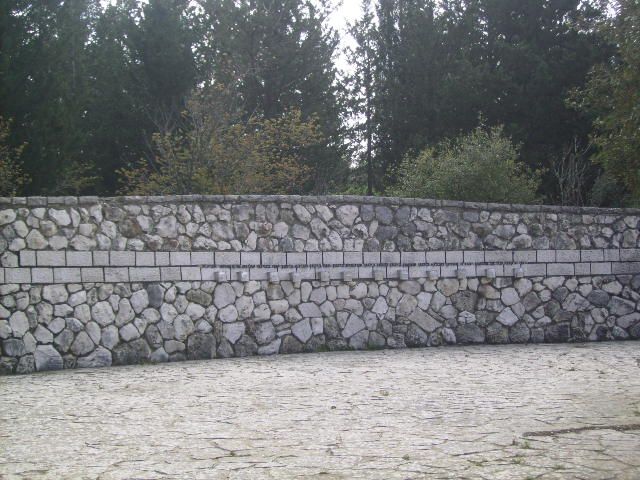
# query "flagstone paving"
(489, 412)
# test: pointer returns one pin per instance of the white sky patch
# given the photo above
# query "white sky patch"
(344, 13)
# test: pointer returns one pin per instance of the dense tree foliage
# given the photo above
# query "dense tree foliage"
(612, 95)
(280, 55)
(100, 93)
(92, 89)
(11, 177)
(438, 65)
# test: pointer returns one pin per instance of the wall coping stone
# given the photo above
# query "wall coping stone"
(40, 201)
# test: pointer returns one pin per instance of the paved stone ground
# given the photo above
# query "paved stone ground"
(562, 411)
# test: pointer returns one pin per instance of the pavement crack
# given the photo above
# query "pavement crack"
(549, 433)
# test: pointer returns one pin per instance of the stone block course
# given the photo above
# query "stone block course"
(79, 259)
(50, 258)
(101, 259)
(180, 258)
(28, 258)
(560, 269)
(201, 267)
(66, 275)
(122, 258)
(145, 259)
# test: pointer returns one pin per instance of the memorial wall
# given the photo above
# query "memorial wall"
(87, 281)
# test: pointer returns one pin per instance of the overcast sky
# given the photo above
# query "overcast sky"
(345, 12)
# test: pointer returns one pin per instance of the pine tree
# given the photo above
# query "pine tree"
(44, 71)
(361, 91)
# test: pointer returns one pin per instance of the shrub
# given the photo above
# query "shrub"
(481, 166)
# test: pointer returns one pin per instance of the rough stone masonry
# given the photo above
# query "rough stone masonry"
(90, 281)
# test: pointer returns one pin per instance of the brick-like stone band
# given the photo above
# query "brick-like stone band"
(42, 267)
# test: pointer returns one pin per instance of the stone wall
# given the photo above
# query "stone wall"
(297, 224)
(95, 282)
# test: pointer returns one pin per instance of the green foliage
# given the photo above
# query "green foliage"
(75, 178)
(215, 152)
(12, 179)
(143, 68)
(361, 103)
(44, 86)
(95, 86)
(607, 192)
(89, 82)
(612, 95)
(280, 55)
(437, 65)
(482, 166)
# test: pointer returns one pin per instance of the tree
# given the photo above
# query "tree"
(280, 55)
(437, 67)
(537, 51)
(361, 92)
(570, 170)
(481, 166)
(44, 87)
(406, 79)
(163, 66)
(612, 96)
(12, 179)
(216, 151)
(143, 71)
(115, 115)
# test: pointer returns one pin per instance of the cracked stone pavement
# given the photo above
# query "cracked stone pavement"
(487, 412)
